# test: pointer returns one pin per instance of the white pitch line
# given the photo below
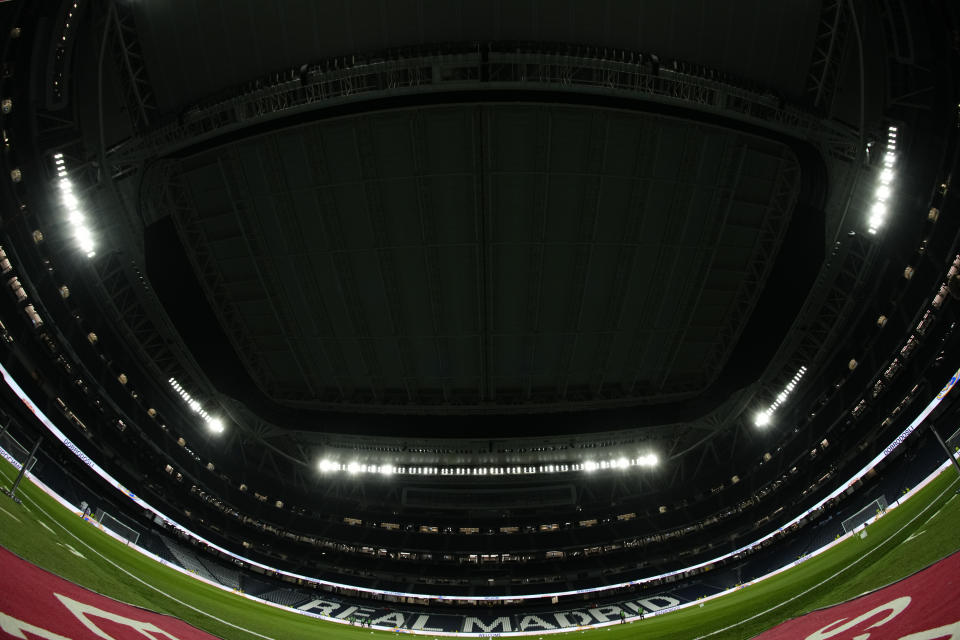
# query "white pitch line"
(940, 509)
(144, 582)
(927, 521)
(831, 577)
(916, 534)
(44, 525)
(10, 514)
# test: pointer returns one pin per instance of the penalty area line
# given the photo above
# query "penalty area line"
(831, 577)
(10, 514)
(940, 510)
(144, 582)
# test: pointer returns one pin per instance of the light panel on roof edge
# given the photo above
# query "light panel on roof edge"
(78, 222)
(881, 197)
(354, 467)
(214, 424)
(764, 416)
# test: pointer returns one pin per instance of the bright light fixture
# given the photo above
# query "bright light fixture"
(326, 465)
(764, 416)
(214, 424)
(878, 211)
(81, 232)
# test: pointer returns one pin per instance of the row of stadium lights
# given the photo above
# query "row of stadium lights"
(841, 487)
(76, 218)
(763, 417)
(214, 424)
(589, 466)
(878, 211)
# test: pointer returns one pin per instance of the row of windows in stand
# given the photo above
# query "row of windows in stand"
(554, 526)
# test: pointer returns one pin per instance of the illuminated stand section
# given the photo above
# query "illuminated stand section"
(59, 435)
(76, 218)
(353, 468)
(213, 424)
(763, 417)
(881, 200)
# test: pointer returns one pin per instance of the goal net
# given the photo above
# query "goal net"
(953, 442)
(877, 506)
(16, 450)
(117, 527)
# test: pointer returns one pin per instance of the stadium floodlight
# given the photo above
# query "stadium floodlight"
(649, 460)
(840, 488)
(78, 223)
(884, 192)
(764, 416)
(357, 468)
(214, 424)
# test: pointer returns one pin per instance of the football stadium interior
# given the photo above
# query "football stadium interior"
(478, 317)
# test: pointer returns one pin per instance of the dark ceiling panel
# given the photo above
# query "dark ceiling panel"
(511, 264)
(415, 315)
(468, 254)
(453, 198)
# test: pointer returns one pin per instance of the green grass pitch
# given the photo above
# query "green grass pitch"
(41, 531)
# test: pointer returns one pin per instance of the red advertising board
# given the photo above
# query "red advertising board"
(925, 606)
(37, 604)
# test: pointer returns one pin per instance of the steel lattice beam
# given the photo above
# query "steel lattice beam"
(123, 305)
(132, 71)
(772, 231)
(185, 218)
(832, 31)
(513, 69)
